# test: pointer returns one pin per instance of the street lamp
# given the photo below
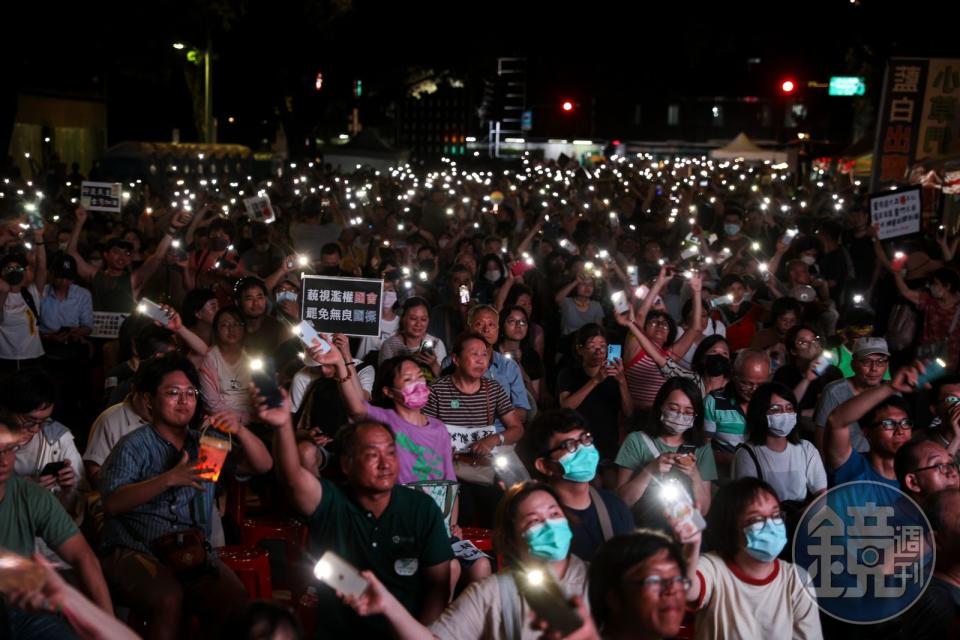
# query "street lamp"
(206, 54)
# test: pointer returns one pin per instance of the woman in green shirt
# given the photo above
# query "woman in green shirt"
(651, 456)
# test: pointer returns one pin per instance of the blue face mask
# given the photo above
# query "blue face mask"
(731, 229)
(766, 543)
(581, 465)
(549, 540)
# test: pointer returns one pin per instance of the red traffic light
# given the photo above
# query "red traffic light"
(567, 106)
(788, 86)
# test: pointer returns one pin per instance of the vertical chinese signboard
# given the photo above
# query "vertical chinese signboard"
(919, 116)
(341, 305)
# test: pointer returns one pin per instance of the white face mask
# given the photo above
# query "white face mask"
(808, 260)
(781, 424)
(389, 299)
(675, 423)
(492, 275)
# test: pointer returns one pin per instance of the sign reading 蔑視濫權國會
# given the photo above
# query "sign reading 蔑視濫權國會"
(101, 196)
(896, 212)
(341, 305)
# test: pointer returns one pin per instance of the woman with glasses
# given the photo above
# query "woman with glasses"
(225, 370)
(673, 446)
(532, 533)
(808, 368)
(515, 342)
(740, 589)
(413, 340)
(774, 451)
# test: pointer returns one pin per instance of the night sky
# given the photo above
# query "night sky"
(614, 52)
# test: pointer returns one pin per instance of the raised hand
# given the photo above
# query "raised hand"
(185, 474)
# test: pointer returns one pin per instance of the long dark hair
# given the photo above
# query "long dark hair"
(757, 429)
(526, 343)
(386, 374)
(701, 353)
(694, 435)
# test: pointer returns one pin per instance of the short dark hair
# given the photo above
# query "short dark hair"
(412, 303)
(463, 339)
(151, 339)
(831, 229)
(869, 419)
(757, 428)
(152, 371)
(791, 336)
(385, 376)
(250, 282)
(331, 248)
(616, 557)
(856, 317)
(948, 277)
(27, 390)
(192, 303)
(587, 331)
(940, 383)
(906, 459)
(232, 310)
(695, 435)
(537, 436)
(671, 323)
(783, 306)
(731, 500)
(730, 279)
(346, 438)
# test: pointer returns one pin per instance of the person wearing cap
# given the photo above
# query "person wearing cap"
(871, 357)
(115, 289)
(20, 287)
(855, 323)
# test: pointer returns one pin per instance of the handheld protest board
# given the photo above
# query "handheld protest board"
(350, 306)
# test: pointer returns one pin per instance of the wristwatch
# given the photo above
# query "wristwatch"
(502, 439)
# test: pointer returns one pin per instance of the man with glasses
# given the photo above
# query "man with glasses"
(28, 512)
(725, 411)
(886, 424)
(559, 449)
(153, 485)
(871, 357)
(925, 467)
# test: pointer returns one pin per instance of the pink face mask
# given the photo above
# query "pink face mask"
(415, 394)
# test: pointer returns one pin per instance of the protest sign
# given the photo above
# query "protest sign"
(897, 212)
(107, 324)
(259, 208)
(462, 437)
(341, 305)
(101, 196)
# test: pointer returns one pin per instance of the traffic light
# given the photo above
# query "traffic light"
(788, 86)
(567, 106)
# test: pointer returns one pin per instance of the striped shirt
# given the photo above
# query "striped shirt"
(476, 410)
(644, 380)
(723, 419)
(143, 455)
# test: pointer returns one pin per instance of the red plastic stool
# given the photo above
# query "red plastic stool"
(481, 538)
(288, 573)
(252, 566)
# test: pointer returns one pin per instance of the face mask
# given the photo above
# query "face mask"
(219, 243)
(781, 424)
(415, 394)
(731, 229)
(675, 423)
(492, 275)
(936, 291)
(286, 295)
(13, 277)
(767, 543)
(389, 299)
(808, 260)
(716, 365)
(581, 465)
(549, 540)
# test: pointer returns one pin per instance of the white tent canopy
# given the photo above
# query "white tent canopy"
(743, 147)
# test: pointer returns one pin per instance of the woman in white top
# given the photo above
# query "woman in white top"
(412, 339)
(792, 466)
(532, 530)
(225, 370)
(740, 589)
(389, 321)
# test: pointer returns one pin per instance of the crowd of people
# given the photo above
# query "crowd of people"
(731, 330)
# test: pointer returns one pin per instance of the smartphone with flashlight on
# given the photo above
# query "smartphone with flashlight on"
(544, 595)
(152, 310)
(933, 371)
(464, 294)
(310, 338)
(678, 507)
(427, 348)
(261, 373)
(508, 468)
(340, 575)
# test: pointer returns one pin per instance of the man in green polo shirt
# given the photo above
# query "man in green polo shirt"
(373, 523)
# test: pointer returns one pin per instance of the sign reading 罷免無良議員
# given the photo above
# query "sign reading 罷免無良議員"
(896, 212)
(350, 306)
(101, 196)
(259, 208)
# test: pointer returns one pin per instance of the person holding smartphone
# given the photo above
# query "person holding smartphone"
(673, 445)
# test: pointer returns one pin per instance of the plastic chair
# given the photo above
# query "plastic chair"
(252, 566)
(260, 531)
(443, 492)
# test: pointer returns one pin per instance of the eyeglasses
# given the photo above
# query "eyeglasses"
(674, 407)
(659, 322)
(190, 393)
(747, 386)
(659, 586)
(893, 425)
(777, 409)
(806, 343)
(517, 321)
(29, 422)
(13, 448)
(943, 468)
(571, 445)
(874, 363)
(757, 523)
